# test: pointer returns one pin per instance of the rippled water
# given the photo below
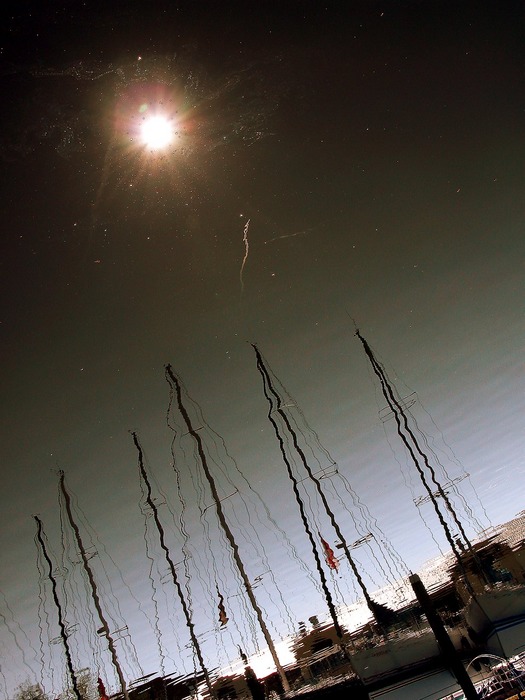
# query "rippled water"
(355, 163)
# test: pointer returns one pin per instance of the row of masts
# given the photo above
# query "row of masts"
(280, 422)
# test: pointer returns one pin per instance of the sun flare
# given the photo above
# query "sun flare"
(157, 132)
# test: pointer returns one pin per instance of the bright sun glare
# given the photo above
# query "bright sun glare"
(157, 132)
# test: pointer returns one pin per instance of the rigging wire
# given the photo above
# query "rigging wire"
(43, 616)
(450, 483)
(4, 680)
(163, 500)
(156, 618)
(171, 377)
(410, 487)
(97, 546)
(465, 473)
(26, 642)
(398, 414)
(213, 445)
(394, 402)
(93, 586)
(313, 443)
(218, 453)
(70, 570)
(322, 576)
(40, 539)
(171, 565)
(380, 613)
(186, 552)
(449, 453)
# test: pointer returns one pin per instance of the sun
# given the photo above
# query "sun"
(157, 132)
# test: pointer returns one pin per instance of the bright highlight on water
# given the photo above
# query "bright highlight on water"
(157, 132)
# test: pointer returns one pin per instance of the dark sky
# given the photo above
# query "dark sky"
(373, 155)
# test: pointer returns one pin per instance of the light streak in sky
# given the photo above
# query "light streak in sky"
(246, 251)
(290, 235)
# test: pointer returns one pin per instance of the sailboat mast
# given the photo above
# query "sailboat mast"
(302, 512)
(268, 387)
(63, 632)
(172, 378)
(93, 586)
(171, 565)
(399, 415)
(372, 606)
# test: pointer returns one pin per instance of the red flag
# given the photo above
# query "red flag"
(223, 618)
(331, 559)
(101, 690)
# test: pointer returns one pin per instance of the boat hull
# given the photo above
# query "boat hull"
(498, 618)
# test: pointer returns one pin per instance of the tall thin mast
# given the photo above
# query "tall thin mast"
(174, 381)
(374, 607)
(93, 586)
(413, 447)
(63, 632)
(268, 387)
(178, 587)
(320, 570)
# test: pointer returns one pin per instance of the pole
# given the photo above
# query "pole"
(169, 560)
(450, 656)
(93, 586)
(63, 632)
(226, 529)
